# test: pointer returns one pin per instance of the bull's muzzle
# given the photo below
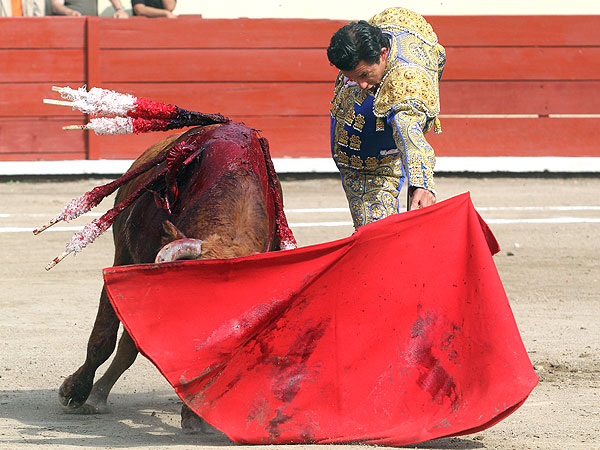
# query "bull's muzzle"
(180, 249)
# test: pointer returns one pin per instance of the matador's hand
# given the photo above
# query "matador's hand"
(421, 198)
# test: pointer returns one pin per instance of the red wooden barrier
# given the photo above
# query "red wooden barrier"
(508, 83)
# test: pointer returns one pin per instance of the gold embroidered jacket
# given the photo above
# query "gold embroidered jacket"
(377, 138)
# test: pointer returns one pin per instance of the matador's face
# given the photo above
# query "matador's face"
(368, 76)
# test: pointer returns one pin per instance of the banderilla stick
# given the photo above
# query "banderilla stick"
(50, 101)
(56, 260)
(46, 226)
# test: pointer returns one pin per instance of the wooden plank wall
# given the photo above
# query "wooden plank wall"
(36, 53)
(526, 84)
(513, 85)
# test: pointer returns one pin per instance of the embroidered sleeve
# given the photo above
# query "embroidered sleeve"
(418, 154)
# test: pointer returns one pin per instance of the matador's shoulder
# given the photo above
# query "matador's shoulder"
(402, 19)
(406, 88)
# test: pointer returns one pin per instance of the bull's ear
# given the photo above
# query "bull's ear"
(170, 233)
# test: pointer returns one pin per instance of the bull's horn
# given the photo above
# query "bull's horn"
(180, 249)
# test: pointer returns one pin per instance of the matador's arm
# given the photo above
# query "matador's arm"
(418, 155)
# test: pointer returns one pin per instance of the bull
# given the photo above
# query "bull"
(216, 197)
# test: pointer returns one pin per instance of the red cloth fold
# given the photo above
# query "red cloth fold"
(398, 334)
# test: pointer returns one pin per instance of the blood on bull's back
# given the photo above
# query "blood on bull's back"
(224, 192)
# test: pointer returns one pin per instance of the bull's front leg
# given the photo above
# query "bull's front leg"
(76, 388)
(124, 358)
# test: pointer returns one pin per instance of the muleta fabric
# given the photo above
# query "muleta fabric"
(320, 345)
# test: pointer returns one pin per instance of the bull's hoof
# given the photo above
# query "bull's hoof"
(86, 409)
(191, 423)
(96, 402)
(196, 426)
(74, 391)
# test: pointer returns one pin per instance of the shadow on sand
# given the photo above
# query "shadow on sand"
(136, 420)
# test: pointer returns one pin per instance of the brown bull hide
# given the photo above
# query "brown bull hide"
(224, 194)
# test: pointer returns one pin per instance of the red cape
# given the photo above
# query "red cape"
(398, 334)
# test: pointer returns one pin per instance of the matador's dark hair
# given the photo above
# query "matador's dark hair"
(355, 42)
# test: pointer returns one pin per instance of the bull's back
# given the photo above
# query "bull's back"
(222, 195)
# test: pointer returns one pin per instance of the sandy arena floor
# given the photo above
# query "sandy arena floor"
(548, 229)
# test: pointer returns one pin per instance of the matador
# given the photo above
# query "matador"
(386, 98)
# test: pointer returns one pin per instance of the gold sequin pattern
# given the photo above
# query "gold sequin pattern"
(361, 97)
(356, 162)
(349, 118)
(342, 158)
(344, 97)
(342, 138)
(372, 192)
(406, 87)
(402, 19)
(359, 122)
